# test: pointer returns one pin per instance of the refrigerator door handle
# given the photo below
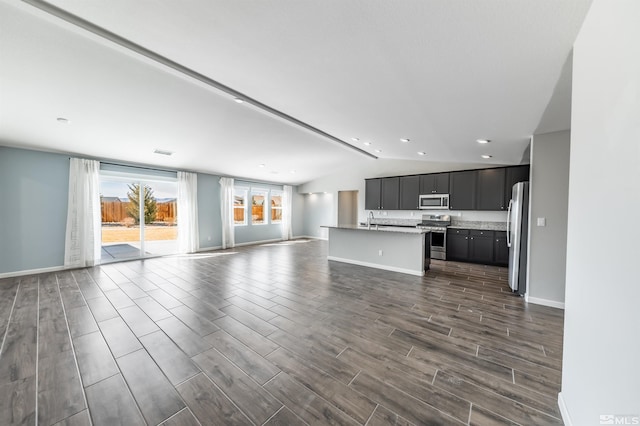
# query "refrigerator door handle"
(509, 223)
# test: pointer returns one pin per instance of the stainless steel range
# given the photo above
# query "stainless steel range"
(437, 224)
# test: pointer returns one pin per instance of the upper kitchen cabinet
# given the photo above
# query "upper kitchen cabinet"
(390, 193)
(462, 190)
(490, 189)
(382, 194)
(435, 183)
(514, 175)
(372, 194)
(409, 192)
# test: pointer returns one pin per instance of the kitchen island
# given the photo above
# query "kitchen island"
(391, 248)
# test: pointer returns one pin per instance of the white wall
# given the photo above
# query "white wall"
(548, 192)
(601, 368)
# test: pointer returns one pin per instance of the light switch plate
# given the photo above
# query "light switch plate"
(542, 221)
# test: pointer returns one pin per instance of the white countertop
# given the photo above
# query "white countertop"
(396, 229)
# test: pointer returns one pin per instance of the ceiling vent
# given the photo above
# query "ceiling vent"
(162, 152)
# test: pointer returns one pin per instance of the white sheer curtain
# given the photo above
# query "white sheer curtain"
(226, 212)
(83, 238)
(188, 237)
(287, 195)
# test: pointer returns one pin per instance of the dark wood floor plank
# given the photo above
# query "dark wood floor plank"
(209, 404)
(101, 308)
(153, 309)
(111, 404)
(183, 418)
(196, 322)
(190, 342)
(18, 360)
(337, 393)
(156, 397)
(383, 416)
(284, 417)
(78, 419)
(345, 344)
(306, 404)
(252, 339)
(173, 362)
(508, 408)
(18, 402)
(118, 298)
(60, 392)
(400, 402)
(254, 365)
(138, 321)
(94, 358)
(81, 321)
(119, 337)
(252, 399)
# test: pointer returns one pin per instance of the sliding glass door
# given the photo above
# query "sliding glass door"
(138, 218)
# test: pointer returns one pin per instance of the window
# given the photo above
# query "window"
(239, 206)
(258, 207)
(276, 207)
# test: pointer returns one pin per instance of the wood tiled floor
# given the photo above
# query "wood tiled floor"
(275, 335)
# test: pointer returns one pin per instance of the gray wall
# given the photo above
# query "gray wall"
(34, 188)
(209, 216)
(549, 196)
(319, 209)
(601, 333)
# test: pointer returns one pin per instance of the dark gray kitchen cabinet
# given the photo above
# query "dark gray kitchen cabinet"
(390, 193)
(372, 194)
(500, 249)
(514, 175)
(382, 194)
(490, 189)
(462, 190)
(409, 192)
(434, 183)
(481, 246)
(458, 244)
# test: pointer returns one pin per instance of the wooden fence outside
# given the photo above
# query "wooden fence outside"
(256, 212)
(116, 211)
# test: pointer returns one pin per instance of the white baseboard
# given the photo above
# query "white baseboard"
(377, 266)
(545, 302)
(254, 243)
(33, 271)
(564, 411)
(203, 249)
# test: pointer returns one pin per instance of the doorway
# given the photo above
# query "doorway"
(139, 218)
(347, 208)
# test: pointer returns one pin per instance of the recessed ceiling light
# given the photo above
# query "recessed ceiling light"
(378, 150)
(486, 156)
(483, 141)
(63, 120)
(273, 172)
(367, 143)
(422, 153)
(355, 139)
(260, 165)
(162, 152)
(292, 171)
(238, 100)
(404, 140)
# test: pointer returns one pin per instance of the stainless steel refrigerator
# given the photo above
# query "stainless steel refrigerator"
(517, 235)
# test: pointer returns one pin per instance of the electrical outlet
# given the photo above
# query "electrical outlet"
(542, 221)
(379, 252)
(209, 238)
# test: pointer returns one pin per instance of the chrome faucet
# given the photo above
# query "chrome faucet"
(369, 219)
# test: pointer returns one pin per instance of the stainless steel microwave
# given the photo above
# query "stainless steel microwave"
(434, 202)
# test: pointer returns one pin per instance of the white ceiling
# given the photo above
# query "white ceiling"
(442, 73)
